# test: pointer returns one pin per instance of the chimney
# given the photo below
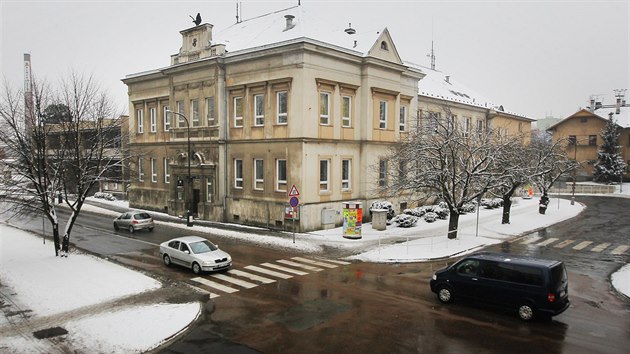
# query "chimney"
(447, 78)
(350, 30)
(618, 105)
(592, 106)
(290, 23)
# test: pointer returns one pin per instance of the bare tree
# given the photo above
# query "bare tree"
(445, 160)
(62, 161)
(550, 163)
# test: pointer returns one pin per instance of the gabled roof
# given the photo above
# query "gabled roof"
(622, 119)
(274, 28)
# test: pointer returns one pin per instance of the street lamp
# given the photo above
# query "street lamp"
(189, 221)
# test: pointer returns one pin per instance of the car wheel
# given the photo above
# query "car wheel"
(525, 312)
(116, 227)
(167, 260)
(445, 294)
(196, 268)
(131, 229)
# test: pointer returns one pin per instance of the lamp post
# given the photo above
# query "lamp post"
(189, 221)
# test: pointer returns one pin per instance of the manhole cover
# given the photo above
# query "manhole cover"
(50, 332)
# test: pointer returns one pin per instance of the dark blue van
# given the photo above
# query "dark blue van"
(531, 286)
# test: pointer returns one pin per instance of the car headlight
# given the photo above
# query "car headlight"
(434, 277)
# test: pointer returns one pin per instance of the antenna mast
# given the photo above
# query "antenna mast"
(432, 54)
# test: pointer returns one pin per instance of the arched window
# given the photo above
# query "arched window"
(384, 45)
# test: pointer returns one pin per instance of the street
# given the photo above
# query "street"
(316, 303)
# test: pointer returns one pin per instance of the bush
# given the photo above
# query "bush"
(469, 208)
(383, 204)
(430, 216)
(106, 196)
(405, 220)
(417, 212)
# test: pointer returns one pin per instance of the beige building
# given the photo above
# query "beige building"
(583, 129)
(296, 105)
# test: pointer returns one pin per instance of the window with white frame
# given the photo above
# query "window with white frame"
(346, 111)
(282, 107)
(259, 110)
(238, 112)
(140, 169)
(194, 113)
(153, 119)
(382, 173)
(382, 115)
(181, 122)
(209, 190)
(402, 125)
(324, 108)
(140, 119)
(281, 175)
(259, 174)
(479, 127)
(324, 175)
(167, 119)
(346, 174)
(238, 173)
(167, 173)
(210, 115)
(466, 130)
(153, 170)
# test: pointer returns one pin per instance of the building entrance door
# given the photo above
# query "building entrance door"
(194, 206)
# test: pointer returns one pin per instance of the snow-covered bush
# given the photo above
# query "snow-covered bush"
(405, 220)
(430, 216)
(417, 212)
(106, 196)
(491, 203)
(383, 204)
(443, 205)
(469, 208)
(442, 213)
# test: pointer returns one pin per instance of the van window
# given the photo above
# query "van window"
(468, 267)
(558, 275)
(511, 272)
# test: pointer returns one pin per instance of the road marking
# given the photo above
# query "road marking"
(531, 240)
(564, 243)
(210, 283)
(582, 245)
(251, 276)
(284, 269)
(299, 265)
(204, 291)
(268, 272)
(620, 249)
(600, 247)
(310, 261)
(547, 241)
(238, 282)
(335, 261)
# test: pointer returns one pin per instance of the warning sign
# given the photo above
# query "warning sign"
(294, 191)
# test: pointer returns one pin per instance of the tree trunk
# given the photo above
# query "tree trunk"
(453, 223)
(56, 238)
(507, 203)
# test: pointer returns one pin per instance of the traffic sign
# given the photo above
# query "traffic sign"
(294, 191)
(294, 201)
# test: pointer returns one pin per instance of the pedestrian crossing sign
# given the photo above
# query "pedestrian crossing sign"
(294, 191)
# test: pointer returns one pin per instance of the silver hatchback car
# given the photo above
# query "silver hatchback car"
(134, 221)
(196, 253)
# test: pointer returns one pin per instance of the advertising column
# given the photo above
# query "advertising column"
(352, 219)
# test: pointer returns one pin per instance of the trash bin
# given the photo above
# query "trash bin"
(379, 219)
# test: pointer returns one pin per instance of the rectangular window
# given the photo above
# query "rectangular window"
(382, 173)
(324, 108)
(403, 118)
(324, 175)
(466, 127)
(153, 117)
(140, 169)
(433, 120)
(238, 112)
(167, 174)
(140, 119)
(346, 174)
(210, 111)
(194, 112)
(181, 123)
(382, 115)
(572, 140)
(259, 110)
(167, 119)
(282, 106)
(281, 175)
(479, 127)
(238, 173)
(592, 140)
(209, 190)
(402, 171)
(153, 171)
(346, 111)
(259, 174)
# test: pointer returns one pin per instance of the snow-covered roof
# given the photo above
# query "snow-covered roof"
(622, 119)
(274, 28)
(439, 85)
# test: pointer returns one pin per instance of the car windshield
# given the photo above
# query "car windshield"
(203, 247)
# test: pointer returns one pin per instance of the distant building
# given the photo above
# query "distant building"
(584, 127)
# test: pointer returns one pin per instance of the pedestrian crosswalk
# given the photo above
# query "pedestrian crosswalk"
(252, 276)
(576, 245)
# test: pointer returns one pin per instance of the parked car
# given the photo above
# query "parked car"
(530, 286)
(196, 253)
(134, 221)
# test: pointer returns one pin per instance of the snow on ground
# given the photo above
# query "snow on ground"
(31, 278)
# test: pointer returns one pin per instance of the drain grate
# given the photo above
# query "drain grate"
(50, 332)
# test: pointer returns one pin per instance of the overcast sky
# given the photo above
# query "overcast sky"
(534, 57)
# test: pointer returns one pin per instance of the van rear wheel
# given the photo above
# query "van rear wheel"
(445, 295)
(525, 312)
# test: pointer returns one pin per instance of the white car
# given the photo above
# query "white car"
(196, 253)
